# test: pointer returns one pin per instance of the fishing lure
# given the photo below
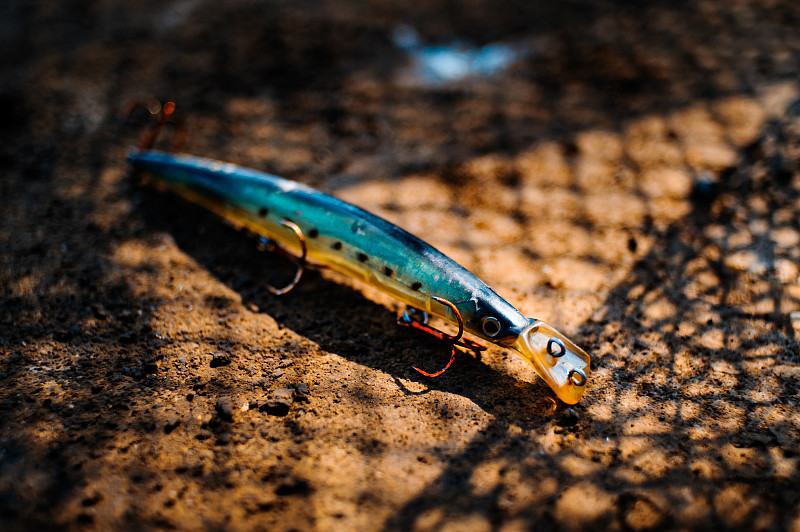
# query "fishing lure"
(330, 232)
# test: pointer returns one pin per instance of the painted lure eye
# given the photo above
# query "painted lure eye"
(490, 326)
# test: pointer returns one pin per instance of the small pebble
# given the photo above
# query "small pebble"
(220, 359)
(224, 408)
(568, 418)
(292, 485)
(279, 402)
(171, 423)
(301, 391)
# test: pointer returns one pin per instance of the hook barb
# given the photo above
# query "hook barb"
(445, 368)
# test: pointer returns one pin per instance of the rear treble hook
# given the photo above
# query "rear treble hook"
(164, 112)
(407, 321)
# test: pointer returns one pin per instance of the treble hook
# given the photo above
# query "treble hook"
(406, 321)
(164, 112)
(300, 261)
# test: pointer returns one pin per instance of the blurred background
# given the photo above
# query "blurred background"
(627, 171)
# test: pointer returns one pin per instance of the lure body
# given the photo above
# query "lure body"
(355, 242)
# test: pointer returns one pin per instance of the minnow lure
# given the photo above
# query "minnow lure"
(347, 239)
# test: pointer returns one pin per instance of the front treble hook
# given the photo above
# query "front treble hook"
(406, 321)
(301, 260)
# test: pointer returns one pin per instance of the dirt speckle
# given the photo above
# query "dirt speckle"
(633, 179)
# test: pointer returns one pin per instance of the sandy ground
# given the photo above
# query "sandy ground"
(634, 180)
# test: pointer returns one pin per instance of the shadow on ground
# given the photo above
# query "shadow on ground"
(604, 181)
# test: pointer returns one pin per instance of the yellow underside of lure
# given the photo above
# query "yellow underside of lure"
(319, 254)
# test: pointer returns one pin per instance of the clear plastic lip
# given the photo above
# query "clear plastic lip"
(564, 366)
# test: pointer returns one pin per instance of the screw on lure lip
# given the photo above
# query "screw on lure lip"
(564, 366)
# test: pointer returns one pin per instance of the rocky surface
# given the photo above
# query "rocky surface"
(633, 179)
